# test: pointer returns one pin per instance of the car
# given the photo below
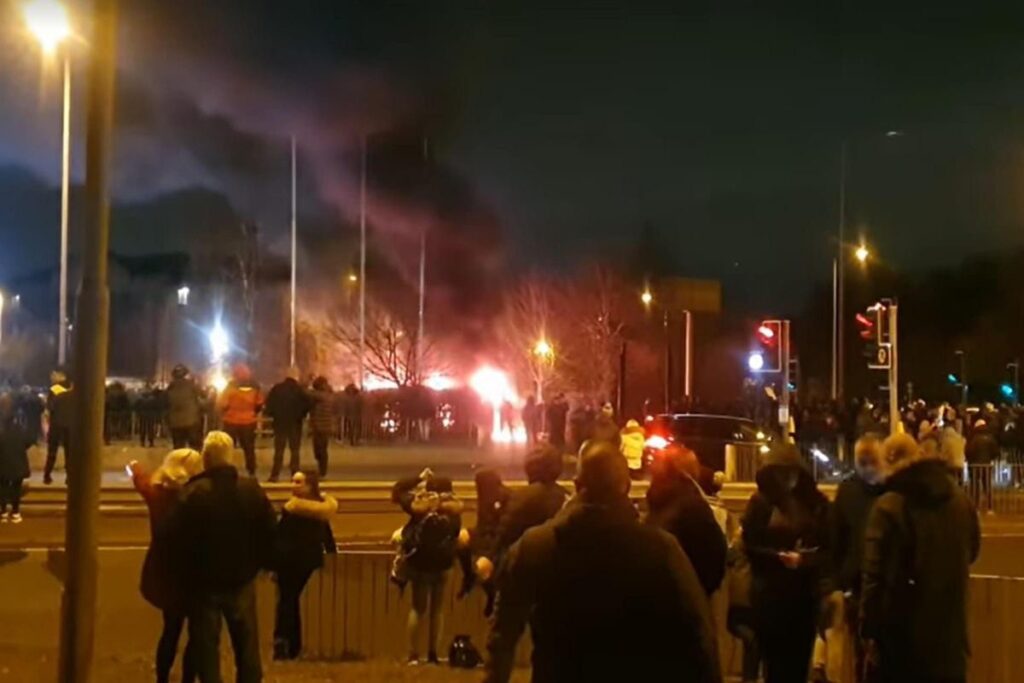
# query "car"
(705, 435)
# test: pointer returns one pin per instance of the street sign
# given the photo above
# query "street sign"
(883, 357)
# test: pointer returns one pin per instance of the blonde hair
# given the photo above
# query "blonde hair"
(178, 467)
(218, 449)
(899, 451)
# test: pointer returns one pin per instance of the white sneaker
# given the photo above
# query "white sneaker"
(16, 518)
(4, 518)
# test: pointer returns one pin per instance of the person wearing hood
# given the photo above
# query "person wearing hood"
(676, 504)
(161, 585)
(240, 404)
(14, 469)
(184, 410)
(303, 536)
(606, 598)
(921, 538)
(323, 421)
(632, 444)
(59, 407)
(981, 453)
(430, 542)
(785, 536)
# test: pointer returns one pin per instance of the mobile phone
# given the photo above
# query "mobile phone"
(128, 470)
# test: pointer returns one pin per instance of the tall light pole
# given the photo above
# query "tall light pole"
(48, 21)
(545, 354)
(78, 602)
(838, 272)
(291, 337)
(362, 266)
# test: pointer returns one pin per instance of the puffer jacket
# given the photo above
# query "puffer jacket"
(240, 404)
(304, 534)
(633, 444)
(323, 418)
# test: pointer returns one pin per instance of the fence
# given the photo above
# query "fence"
(997, 488)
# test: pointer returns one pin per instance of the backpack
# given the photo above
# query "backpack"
(432, 540)
(463, 654)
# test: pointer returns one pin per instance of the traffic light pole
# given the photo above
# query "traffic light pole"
(894, 382)
(784, 403)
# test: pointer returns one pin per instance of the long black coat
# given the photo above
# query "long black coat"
(14, 444)
(849, 518)
(304, 535)
(921, 539)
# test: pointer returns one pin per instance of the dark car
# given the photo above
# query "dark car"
(705, 435)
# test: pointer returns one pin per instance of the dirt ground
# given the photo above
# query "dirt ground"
(24, 666)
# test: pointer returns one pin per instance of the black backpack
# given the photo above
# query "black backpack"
(463, 654)
(432, 543)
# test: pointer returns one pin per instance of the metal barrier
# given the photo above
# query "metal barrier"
(995, 489)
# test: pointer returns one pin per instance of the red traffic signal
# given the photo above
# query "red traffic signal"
(767, 353)
(866, 326)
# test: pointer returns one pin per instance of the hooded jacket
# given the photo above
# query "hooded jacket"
(287, 404)
(678, 506)
(14, 445)
(240, 403)
(184, 403)
(531, 506)
(633, 444)
(606, 598)
(849, 517)
(921, 538)
(304, 534)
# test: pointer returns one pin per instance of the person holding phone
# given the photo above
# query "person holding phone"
(785, 535)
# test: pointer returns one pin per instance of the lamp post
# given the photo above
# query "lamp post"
(647, 299)
(48, 21)
(545, 354)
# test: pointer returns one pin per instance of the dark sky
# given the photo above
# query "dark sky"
(564, 127)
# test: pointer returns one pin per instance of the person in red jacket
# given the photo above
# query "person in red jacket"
(240, 404)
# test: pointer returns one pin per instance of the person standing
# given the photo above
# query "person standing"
(632, 445)
(353, 415)
(287, 405)
(982, 453)
(303, 536)
(148, 409)
(785, 536)
(222, 534)
(323, 421)
(59, 406)
(556, 413)
(921, 538)
(240, 404)
(531, 420)
(184, 410)
(677, 505)
(430, 542)
(161, 586)
(15, 441)
(849, 517)
(631, 611)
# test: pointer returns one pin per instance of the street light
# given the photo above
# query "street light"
(862, 253)
(543, 349)
(647, 298)
(546, 355)
(48, 21)
(183, 293)
(220, 343)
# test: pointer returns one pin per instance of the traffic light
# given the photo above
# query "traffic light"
(953, 379)
(866, 326)
(1007, 390)
(767, 353)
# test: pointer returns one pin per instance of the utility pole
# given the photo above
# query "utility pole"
(1013, 365)
(78, 602)
(291, 339)
(65, 199)
(784, 403)
(688, 357)
(839, 278)
(668, 364)
(423, 282)
(894, 381)
(362, 268)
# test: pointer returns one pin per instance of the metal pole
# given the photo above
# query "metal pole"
(423, 285)
(668, 365)
(362, 269)
(78, 602)
(840, 278)
(1, 318)
(1016, 381)
(894, 381)
(835, 329)
(688, 349)
(65, 191)
(291, 340)
(784, 404)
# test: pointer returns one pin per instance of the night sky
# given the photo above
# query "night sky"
(563, 127)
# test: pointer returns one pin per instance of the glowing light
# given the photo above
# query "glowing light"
(494, 389)
(439, 382)
(220, 342)
(509, 435)
(765, 449)
(183, 293)
(48, 21)
(657, 442)
(218, 381)
(647, 297)
(543, 349)
(376, 383)
(352, 277)
(862, 253)
(755, 362)
(819, 454)
(759, 436)
(766, 332)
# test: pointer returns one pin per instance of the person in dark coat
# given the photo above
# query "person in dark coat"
(352, 427)
(322, 421)
(222, 534)
(160, 585)
(606, 598)
(555, 415)
(676, 504)
(922, 537)
(303, 536)
(785, 535)
(982, 452)
(531, 414)
(849, 517)
(59, 405)
(492, 498)
(184, 410)
(15, 441)
(149, 408)
(30, 409)
(287, 405)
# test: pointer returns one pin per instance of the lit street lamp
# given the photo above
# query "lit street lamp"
(48, 21)
(220, 343)
(862, 253)
(545, 354)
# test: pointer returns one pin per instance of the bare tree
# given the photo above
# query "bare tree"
(525, 321)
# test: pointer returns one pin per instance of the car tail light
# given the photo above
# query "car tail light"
(657, 442)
